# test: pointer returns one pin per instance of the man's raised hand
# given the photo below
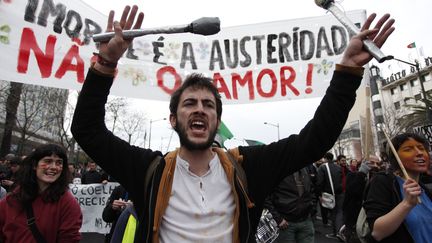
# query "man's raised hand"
(355, 54)
(113, 49)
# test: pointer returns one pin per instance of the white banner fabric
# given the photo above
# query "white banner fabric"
(92, 199)
(48, 42)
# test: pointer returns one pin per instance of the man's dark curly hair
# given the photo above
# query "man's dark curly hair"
(196, 81)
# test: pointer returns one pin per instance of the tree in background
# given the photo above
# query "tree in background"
(132, 124)
(11, 108)
(63, 114)
(392, 121)
(115, 107)
(37, 114)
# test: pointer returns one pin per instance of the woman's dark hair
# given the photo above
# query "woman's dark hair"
(196, 81)
(27, 186)
(397, 141)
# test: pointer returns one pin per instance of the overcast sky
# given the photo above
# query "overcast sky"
(247, 121)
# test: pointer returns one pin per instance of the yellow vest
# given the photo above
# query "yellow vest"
(129, 233)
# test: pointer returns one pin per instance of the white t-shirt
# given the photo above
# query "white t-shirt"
(200, 209)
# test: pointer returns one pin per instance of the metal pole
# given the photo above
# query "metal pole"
(150, 129)
(275, 125)
(151, 121)
(278, 131)
(169, 142)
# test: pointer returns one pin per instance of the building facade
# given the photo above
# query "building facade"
(393, 96)
(389, 100)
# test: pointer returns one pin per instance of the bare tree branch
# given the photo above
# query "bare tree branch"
(115, 108)
(133, 126)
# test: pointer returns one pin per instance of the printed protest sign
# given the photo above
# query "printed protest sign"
(92, 199)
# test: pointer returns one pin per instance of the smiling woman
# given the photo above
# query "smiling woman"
(392, 207)
(41, 197)
(48, 171)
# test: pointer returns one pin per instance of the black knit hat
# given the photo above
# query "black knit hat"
(16, 160)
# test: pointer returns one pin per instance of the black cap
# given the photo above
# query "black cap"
(16, 160)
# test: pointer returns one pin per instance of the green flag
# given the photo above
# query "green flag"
(251, 142)
(411, 45)
(223, 134)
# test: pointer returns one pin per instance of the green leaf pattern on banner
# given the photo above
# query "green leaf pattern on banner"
(5, 28)
(324, 66)
(4, 39)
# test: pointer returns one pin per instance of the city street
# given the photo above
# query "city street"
(320, 232)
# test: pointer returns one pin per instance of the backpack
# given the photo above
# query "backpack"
(362, 226)
(124, 231)
(240, 173)
(127, 229)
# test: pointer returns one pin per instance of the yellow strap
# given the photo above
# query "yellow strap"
(129, 233)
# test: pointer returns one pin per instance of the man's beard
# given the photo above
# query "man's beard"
(188, 144)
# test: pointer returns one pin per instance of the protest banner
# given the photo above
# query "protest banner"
(92, 199)
(48, 42)
(425, 131)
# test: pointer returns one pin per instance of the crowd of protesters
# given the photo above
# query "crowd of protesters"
(359, 183)
(294, 203)
(233, 185)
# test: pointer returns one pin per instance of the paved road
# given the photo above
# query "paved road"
(92, 238)
(320, 231)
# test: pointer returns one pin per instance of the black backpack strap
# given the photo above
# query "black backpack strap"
(31, 223)
(241, 178)
(150, 170)
(241, 174)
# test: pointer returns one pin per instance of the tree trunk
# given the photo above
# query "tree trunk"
(12, 103)
(21, 141)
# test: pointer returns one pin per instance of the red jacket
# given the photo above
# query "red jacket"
(57, 222)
